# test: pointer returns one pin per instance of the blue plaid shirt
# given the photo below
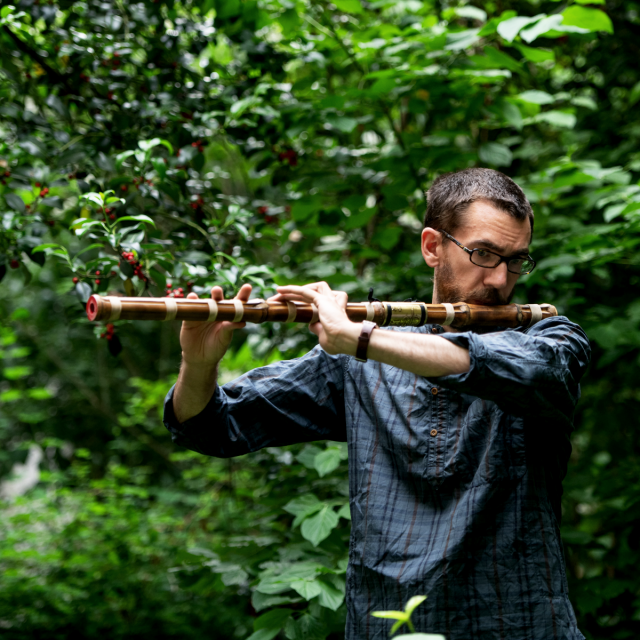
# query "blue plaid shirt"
(455, 481)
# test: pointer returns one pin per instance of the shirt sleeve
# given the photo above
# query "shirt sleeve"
(538, 369)
(283, 403)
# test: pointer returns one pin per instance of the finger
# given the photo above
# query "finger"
(293, 292)
(192, 296)
(341, 298)
(316, 328)
(244, 293)
(217, 293)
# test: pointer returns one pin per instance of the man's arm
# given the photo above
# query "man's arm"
(203, 346)
(538, 369)
(424, 355)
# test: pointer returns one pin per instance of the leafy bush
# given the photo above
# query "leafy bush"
(162, 147)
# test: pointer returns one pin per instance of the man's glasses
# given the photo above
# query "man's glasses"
(520, 265)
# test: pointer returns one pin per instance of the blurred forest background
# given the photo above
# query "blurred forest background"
(163, 146)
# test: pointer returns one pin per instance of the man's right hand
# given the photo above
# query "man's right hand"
(203, 346)
(205, 343)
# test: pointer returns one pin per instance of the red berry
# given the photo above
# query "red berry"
(112, 216)
(75, 281)
(113, 273)
(109, 336)
(44, 192)
(14, 264)
(98, 273)
(28, 206)
(124, 187)
(97, 281)
(37, 184)
(103, 335)
(51, 222)
(110, 328)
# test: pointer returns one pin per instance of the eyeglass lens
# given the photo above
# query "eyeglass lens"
(487, 259)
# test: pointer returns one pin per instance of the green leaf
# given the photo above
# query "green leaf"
(414, 602)
(304, 208)
(330, 596)
(509, 29)
(303, 507)
(586, 18)
(536, 97)
(349, 6)
(390, 615)
(264, 634)
(121, 157)
(557, 119)
(319, 527)
(15, 202)
(307, 588)
(346, 125)
(495, 154)
(534, 54)
(327, 461)
(139, 218)
(420, 636)
(273, 619)
(83, 291)
(344, 511)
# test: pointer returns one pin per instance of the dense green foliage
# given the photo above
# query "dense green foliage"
(166, 146)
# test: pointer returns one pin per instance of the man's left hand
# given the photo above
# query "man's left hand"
(336, 333)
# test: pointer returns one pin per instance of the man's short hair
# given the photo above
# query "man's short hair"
(451, 194)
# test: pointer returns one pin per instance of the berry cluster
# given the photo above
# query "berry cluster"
(137, 267)
(85, 77)
(108, 212)
(174, 293)
(289, 157)
(199, 144)
(44, 192)
(196, 205)
(178, 292)
(15, 263)
(108, 334)
(263, 211)
(141, 180)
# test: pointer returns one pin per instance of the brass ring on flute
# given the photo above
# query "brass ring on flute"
(371, 312)
(536, 314)
(239, 310)
(451, 313)
(116, 307)
(172, 309)
(213, 310)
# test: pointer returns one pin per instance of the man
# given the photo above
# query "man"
(458, 441)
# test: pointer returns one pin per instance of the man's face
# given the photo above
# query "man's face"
(457, 279)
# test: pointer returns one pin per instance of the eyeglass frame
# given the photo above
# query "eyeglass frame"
(502, 258)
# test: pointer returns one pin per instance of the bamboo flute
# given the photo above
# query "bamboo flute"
(384, 314)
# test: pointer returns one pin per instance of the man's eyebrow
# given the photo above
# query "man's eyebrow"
(497, 248)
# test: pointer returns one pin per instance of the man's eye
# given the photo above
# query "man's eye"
(482, 253)
(516, 262)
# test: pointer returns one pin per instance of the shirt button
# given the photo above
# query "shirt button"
(434, 432)
(434, 391)
(434, 329)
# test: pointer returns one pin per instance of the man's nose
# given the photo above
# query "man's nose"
(497, 277)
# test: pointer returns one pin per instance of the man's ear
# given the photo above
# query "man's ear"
(431, 245)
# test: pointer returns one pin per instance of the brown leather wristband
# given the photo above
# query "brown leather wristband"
(363, 340)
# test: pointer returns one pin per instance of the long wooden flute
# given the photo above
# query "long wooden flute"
(384, 314)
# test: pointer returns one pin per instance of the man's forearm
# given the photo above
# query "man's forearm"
(422, 354)
(194, 389)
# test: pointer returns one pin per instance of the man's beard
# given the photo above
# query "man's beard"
(448, 290)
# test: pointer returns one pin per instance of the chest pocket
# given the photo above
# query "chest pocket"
(471, 441)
